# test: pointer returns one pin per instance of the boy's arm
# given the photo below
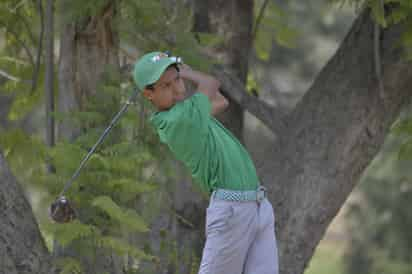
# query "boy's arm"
(207, 85)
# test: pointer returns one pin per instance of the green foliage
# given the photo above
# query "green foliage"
(19, 19)
(25, 99)
(209, 39)
(20, 25)
(286, 36)
(400, 12)
(251, 84)
(77, 10)
(378, 12)
(327, 259)
(23, 152)
(69, 265)
(159, 25)
(126, 217)
(403, 127)
(123, 248)
(68, 232)
(125, 189)
(83, 118)
(384, 263)
(273, 27)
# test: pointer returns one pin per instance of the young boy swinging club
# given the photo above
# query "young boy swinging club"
(240, 233)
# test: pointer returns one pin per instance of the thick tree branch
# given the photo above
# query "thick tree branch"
(272, 117)
(22, 247)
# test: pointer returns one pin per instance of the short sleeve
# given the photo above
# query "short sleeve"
(202, 102)
(184, 127)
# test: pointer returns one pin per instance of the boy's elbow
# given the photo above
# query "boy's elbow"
(225, 103)
(217, 83)
(214, 83)
(210, 87)
(219, 105)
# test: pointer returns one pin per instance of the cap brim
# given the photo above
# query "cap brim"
(165, 63)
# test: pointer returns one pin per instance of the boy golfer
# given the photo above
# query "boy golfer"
(240, 237)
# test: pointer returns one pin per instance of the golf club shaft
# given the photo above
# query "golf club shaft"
(99, 141)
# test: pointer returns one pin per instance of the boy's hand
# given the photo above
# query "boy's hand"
(183, 67)
(207, 85)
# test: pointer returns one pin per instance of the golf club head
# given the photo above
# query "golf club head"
(61, 210)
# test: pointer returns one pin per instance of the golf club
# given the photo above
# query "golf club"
(62, 210)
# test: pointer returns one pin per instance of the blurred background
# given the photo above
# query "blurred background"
(65, 71)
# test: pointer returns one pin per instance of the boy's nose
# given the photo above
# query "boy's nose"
(177, 90)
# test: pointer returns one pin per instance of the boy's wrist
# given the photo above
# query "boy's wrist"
(188, 73)
(184, 69)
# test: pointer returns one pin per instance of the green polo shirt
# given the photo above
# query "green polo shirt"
(214, 156)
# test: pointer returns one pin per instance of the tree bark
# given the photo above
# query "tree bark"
(87, 47)
(67, 97)
(22, 249)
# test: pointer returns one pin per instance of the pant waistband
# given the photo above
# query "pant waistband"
(239, 195)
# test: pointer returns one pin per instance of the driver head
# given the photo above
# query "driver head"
(61, 210)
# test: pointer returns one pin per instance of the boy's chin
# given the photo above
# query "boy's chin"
(165, 108)
(172, 104)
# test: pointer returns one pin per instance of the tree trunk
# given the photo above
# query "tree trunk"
(333, 134)
(87, 48)
(22, 250)
(232, 20)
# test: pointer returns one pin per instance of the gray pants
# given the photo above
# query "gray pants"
(240, 238)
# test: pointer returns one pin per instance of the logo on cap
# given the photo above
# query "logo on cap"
(156, 58)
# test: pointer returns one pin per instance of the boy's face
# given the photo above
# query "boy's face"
(167, 91)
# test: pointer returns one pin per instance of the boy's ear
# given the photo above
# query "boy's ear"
(148, 94)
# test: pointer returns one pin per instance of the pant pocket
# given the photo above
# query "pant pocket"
(218, 218)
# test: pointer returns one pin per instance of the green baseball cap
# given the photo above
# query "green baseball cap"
(148, 68)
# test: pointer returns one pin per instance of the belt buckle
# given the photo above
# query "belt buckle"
(260, 194)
